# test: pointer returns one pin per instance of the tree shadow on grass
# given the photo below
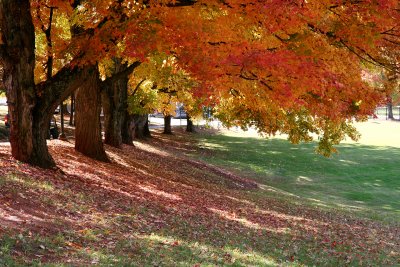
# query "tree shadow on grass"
(359, 178)
(147, 208)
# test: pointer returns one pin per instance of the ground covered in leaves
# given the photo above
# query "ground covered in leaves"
(154, 206)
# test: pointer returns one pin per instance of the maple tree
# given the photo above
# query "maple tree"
(281, 65)
(162, 85)
(292, 66)
(30, 105)
(114, 99)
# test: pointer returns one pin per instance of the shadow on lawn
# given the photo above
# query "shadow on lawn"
(364, 178)
(149, 208)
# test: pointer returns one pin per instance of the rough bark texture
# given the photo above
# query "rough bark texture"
(127, 131)
(88, 138)
(71, 114)
(140, 122)
(146, 129)
(114, 99)
(189, 125)
(167, 124)
(30, 106)
(18, 58)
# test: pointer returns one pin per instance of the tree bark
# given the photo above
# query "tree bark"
(140, 126)
(146, 129)
(30, 106)
(389, 107)
(127, 131)
(18, 58)
(189, 125)
(62, 135)
(114, 99)
(167, 124)
(71, 115)
(88, 139)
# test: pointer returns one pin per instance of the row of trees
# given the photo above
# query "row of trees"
(291, 66)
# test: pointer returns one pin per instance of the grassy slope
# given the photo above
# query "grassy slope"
(361, 178)
(152, 207)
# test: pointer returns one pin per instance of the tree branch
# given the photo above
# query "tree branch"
(121, 74)
(137, 87)
(178, 3)
(61, 85)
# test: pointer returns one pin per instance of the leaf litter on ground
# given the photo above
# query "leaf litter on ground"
(153, 205)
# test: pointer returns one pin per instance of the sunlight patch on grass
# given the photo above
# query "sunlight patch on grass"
(251, 257)
(245, 222)
(152, 149)
(304, 179)
(208, 255)
(153, 190)
(276, 190)
(213, 146)
(28, 182)
(240, 200)
(361, 178)
(348, 161)
(115, 157)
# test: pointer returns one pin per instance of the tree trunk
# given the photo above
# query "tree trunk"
(65, 109)
(40, 156)
(140, 123)
(17, 53)
(30, 106)
(71, 114)
(18, 79)
(390, 109)
(127, 131)
(88, 138)
(62, 135)
(114, 99)
(189, 125)
(146, 129)
(167, 124)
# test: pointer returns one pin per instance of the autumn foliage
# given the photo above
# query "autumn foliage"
(289, 66)
(297, 67)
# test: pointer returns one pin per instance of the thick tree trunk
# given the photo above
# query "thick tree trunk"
(30, 106)
(127, 131)
(189, 125)
(167, 124)
(17, 53)
(40, 156)
(88, 138)
(71, 114)
(114, 99)
(140, 123)
(19, 63)
(146, 129)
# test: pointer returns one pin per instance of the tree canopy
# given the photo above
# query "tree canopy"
(290, 66)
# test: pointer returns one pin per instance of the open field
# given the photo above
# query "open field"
(155, 206)
(364, 177)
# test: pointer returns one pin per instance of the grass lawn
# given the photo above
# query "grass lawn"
(363, 178)
(154, 206)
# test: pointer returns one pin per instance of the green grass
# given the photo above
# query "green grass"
(362, 179)
(212, 224)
